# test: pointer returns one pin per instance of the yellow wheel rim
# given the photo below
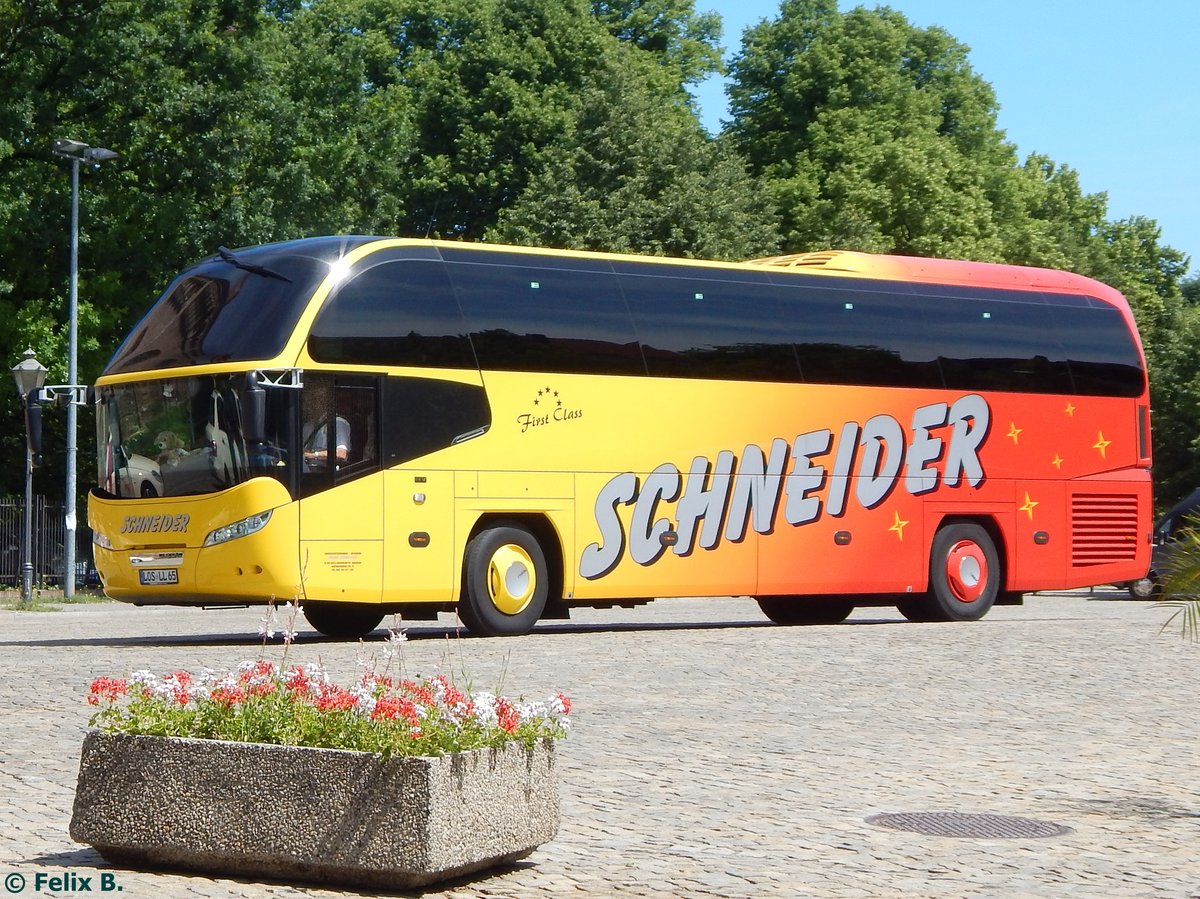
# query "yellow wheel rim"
(511, 578)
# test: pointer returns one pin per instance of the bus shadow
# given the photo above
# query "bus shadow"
(420, 633)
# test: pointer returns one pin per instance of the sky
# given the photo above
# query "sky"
(1111, 89)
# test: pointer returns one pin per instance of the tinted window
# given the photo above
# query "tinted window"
(707, 323)
(217, 312)
(996, 341)
(545, 315)
(393, 312)
(854, 335)
(1103, 357)
(421, 415)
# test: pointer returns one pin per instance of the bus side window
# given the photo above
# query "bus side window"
(355, 404)
(423, 415)
(339, 433)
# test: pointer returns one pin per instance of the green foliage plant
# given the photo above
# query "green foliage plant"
(301, 705)
(1181, 586)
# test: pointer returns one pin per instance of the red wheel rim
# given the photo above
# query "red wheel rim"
(966, 571)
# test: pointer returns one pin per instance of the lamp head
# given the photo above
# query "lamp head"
(29, 374)
(77, 149)
(70, 148)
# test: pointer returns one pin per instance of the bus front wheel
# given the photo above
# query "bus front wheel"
(805, 609)
(343, 620)
(506, 582)
(964, 577)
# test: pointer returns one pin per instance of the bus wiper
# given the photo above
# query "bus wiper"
(227, 255)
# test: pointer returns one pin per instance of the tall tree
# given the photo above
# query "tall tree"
(639, 175)
(871, 134)
(241, 121)
(671, 30)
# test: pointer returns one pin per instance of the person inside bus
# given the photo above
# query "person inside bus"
(316, 444)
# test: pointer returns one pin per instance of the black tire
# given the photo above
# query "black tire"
(1148, 587)
(916, 609)
(805, 609)
(343, 620)
(506, 582)
(964, 577)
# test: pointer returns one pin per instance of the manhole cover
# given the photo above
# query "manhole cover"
(960, 824)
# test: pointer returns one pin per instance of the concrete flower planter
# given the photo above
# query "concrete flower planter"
(324, 815)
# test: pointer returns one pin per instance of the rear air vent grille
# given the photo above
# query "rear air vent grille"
(1104, 529)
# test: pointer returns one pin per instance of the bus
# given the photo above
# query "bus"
(371, 425)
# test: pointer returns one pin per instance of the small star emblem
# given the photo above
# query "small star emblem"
(1014, 432)
(1058, 461)
(1029, 506)
(1070, 410)
(898, 526)
(1102, 445)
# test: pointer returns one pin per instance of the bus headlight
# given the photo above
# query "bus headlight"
(101, 541)
(243, 528)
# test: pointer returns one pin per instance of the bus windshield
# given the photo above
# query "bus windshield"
(178, 437)
(232, 308)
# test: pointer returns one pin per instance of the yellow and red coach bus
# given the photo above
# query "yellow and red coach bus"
(374, 425)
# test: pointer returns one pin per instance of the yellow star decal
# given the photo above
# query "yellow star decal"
(1029, 506)
(1057, 462)
(1070, 410)
(898, 527)
(1102, 445)
(1014, 432)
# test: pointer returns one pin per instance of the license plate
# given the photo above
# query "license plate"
(152, 577)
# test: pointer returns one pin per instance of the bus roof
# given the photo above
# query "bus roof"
(936, 271)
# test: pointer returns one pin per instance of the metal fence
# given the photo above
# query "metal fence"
(49, 531)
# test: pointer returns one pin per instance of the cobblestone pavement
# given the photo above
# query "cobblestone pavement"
(715, 754)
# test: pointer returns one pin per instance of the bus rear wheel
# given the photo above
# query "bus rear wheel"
(343, 620)
(805, 609)
(506, 582)
(964, 577)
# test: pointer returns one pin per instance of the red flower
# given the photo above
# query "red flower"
(260, 670)
(110, 689)
(396, 707)
(566, 703)
(507, 715)
(228, 696)
(262, 688)
(454, 696)
(332, 698)
(298, 681)
(423, 693)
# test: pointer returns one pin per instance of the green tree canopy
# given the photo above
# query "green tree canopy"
(639, 175)
(871, 134)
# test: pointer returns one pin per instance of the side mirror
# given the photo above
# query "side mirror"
(254, 411)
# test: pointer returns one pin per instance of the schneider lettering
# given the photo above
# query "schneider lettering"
(155, 524)
(873, 456)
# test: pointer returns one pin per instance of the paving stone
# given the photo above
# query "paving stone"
(718, 756)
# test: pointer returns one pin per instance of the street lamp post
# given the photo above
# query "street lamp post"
(29, 375)
(77, 152)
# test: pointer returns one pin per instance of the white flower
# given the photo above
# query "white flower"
(532, 710)
(143, 677)
(267, 628)
(391, 648)
(485, 709)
